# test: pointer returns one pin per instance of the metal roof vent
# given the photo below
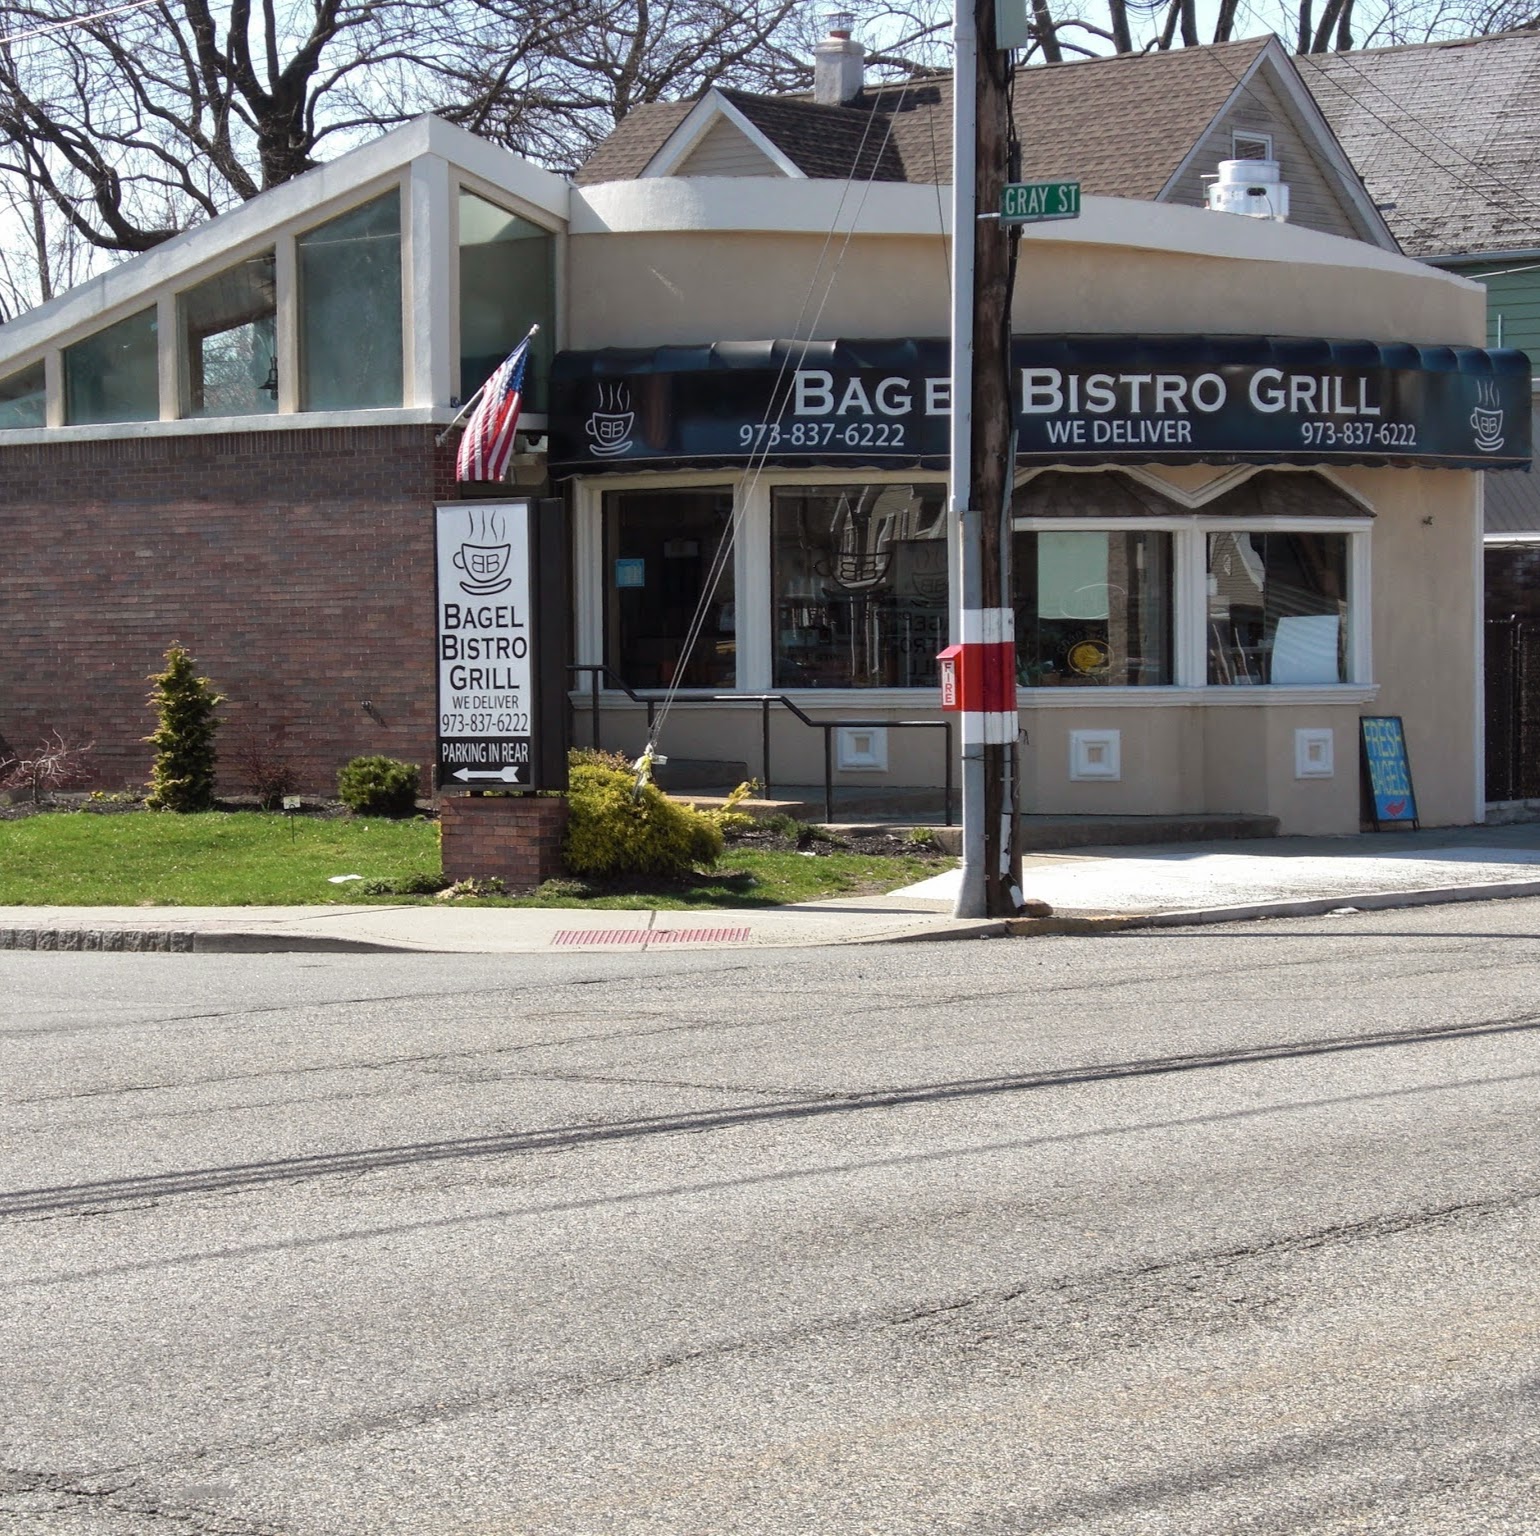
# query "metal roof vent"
(1254, 188)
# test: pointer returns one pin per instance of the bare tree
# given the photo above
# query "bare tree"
(552, 84)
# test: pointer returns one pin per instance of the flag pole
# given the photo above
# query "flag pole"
(438, 442)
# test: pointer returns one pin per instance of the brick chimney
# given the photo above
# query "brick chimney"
(838, 64)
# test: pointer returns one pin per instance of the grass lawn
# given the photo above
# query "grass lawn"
(247, 858)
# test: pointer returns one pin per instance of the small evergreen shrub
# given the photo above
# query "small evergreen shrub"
(613, 832)
(379, 786)
(182, 778)
(727, 818)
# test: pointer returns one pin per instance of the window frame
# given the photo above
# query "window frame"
(1188, 525)
(1189, 563)
(1253, 136)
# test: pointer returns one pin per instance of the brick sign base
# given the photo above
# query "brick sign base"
(512, 838)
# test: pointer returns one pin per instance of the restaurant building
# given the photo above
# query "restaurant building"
(1247, 506)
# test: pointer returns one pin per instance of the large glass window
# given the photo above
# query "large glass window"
(24, 399)
(113, 375)
(350, 309)
(1277, 607)
(1093, 607)
(229, 341)
(661, 548)
(507, 284)
(859, 580)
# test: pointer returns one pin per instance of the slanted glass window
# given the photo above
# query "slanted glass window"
(113, 375)
(1277, 607)
(230, 345)
(859, 582)
(507, 284)
(1093, 608)
(350, 309)
(24, 399)
(661, 550)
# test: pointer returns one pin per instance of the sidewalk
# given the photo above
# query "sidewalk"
(1090, 890)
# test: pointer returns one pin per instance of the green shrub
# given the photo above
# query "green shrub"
(613, 832)
(182, 778)
(418, 883)
(378, 786)
(727, 818)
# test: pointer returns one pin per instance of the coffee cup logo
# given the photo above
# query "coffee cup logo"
(609, 427)
(484, 565)
(1487, 419)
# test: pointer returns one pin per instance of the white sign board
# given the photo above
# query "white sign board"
(485, 645)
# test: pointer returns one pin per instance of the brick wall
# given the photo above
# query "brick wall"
(297, 567)
(512, 838)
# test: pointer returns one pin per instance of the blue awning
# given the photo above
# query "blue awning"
(1076, 400)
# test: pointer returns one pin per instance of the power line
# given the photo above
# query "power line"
(70, 22)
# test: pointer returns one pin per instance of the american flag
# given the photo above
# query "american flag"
(488, 441)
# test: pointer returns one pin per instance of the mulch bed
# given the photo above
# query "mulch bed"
(113, 805)
(767, 839)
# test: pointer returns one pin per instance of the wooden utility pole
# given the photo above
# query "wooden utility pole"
(982, 468)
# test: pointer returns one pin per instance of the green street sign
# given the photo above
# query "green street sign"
(1035, 202)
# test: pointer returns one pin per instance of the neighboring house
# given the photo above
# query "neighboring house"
(1148, 126)
(1447, 139)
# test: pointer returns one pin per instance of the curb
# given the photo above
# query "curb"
(183, 941)
(1312, 906)
(186, 941)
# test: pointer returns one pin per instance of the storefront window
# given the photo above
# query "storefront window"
(350, 309)
(230, 347)
(23, 399)
(1093, 608)
(661, 551)
(1277, 607)
(506, 286)
(859, 580)
(113, 375)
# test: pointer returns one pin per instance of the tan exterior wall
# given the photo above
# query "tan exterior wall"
(652, 289)
(1182, 756)
(723, 151)
(1426, 616)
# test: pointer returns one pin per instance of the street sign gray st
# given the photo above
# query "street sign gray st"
(1036, 202)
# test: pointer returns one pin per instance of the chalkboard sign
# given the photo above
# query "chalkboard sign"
(1387, 772)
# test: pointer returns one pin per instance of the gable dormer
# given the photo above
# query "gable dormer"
(1271, 115)
(717, 139)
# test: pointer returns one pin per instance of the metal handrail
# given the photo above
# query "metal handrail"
(598, 672)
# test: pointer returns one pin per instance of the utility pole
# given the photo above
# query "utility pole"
(982, 464)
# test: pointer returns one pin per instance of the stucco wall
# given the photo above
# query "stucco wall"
(654, 287)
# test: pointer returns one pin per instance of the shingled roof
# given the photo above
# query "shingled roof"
(1445, 135)
(1165, 102)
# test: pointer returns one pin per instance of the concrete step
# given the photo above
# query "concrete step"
(682, 774)
(906, 808)
(1042, 834)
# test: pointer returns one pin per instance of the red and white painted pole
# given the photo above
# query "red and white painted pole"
(981, 447)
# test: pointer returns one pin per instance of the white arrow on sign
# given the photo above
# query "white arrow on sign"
(508, 775)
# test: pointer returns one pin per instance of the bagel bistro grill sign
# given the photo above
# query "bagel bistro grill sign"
(485, 677)
(1087, 400)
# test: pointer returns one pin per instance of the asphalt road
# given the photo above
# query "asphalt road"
(1208, 1231)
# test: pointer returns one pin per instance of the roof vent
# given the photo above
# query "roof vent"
(839, 64)
(1251, 187)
